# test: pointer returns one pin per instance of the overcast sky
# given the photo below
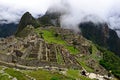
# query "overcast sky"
(12, 10)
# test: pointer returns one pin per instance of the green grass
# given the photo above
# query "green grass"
(1, 67)
(83, 64)
(17, 74)
(111, 62)
(94, 54)
(37, 74)
(59, 59)
(94, 49)
(4, 77)
(46, 75)
(42, 75)
(72, 49)
(49, 36)
(73, 73)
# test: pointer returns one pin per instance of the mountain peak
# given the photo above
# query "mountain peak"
(27, 19)
(27, 13)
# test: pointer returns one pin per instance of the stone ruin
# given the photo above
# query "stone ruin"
(34, 51)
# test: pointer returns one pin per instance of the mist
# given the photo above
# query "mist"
(74, 11)
(97, 11)
(12, 10)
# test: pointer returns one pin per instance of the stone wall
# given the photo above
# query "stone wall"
(34, 51)
(6, 58)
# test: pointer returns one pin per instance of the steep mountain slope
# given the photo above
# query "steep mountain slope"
(7, 29)
(95, 32)
(27, 19)
(102, 35)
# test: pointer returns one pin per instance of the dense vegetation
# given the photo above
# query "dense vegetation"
(7, 29)
(111, 62)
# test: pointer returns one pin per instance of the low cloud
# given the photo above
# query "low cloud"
(12, 10)
(75, 11)
(97, 11)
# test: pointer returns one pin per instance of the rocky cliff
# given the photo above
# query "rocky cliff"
(102, 35)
